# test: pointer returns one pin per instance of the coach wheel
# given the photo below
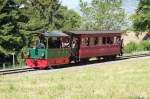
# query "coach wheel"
(99, 58)
(113, 57)
(85, 60)
(108, 58)
(104, 58)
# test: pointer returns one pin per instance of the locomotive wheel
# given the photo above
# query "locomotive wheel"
(76, 60)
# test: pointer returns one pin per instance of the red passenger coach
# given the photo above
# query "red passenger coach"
(106, 44)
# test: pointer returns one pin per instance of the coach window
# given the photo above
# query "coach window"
(104, 40)
(65, 43)
(92, 39)
(85, 41)
(100, 40)
(109, 40)
(115, 40)
(96, 41)
(118, 39)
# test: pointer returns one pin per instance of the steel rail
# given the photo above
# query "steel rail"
(14, 71)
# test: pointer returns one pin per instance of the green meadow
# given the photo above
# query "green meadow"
(121, 80)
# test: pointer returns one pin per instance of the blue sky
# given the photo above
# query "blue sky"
(128, 5)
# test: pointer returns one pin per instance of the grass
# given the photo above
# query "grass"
(121, 80)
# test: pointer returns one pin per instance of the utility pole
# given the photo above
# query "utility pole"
(13, 54)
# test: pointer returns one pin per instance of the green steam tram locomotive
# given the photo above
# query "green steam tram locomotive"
(57, 48)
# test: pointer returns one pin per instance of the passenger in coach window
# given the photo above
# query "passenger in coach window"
(65, 44)
(74, 43)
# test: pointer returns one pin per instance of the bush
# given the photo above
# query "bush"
(136, 47)
(146, 45)
(130, 47)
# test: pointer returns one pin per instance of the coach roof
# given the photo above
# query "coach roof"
(92, 32)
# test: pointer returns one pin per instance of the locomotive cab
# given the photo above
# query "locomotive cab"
(51, 49)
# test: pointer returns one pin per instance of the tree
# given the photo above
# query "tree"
(22, 20)
(10, 17)
(141, 19)
(41, 13)
(68, 19)
(48, 15)
(102, 15)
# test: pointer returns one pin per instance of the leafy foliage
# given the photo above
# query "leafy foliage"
(68, 19)
(145, 45)
(10, 18)
(50, 14)
(135, 47)
(130, 47)
(141, 19)
(102, 15)
(22, 20)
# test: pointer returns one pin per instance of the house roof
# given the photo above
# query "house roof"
(54, 34)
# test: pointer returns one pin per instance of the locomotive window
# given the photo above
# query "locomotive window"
(54, 43)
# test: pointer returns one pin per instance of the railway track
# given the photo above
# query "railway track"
(133, 56)
(21, 70)
(15, 71)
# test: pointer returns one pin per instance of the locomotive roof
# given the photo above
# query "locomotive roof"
(54, 34)
(93, 32)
